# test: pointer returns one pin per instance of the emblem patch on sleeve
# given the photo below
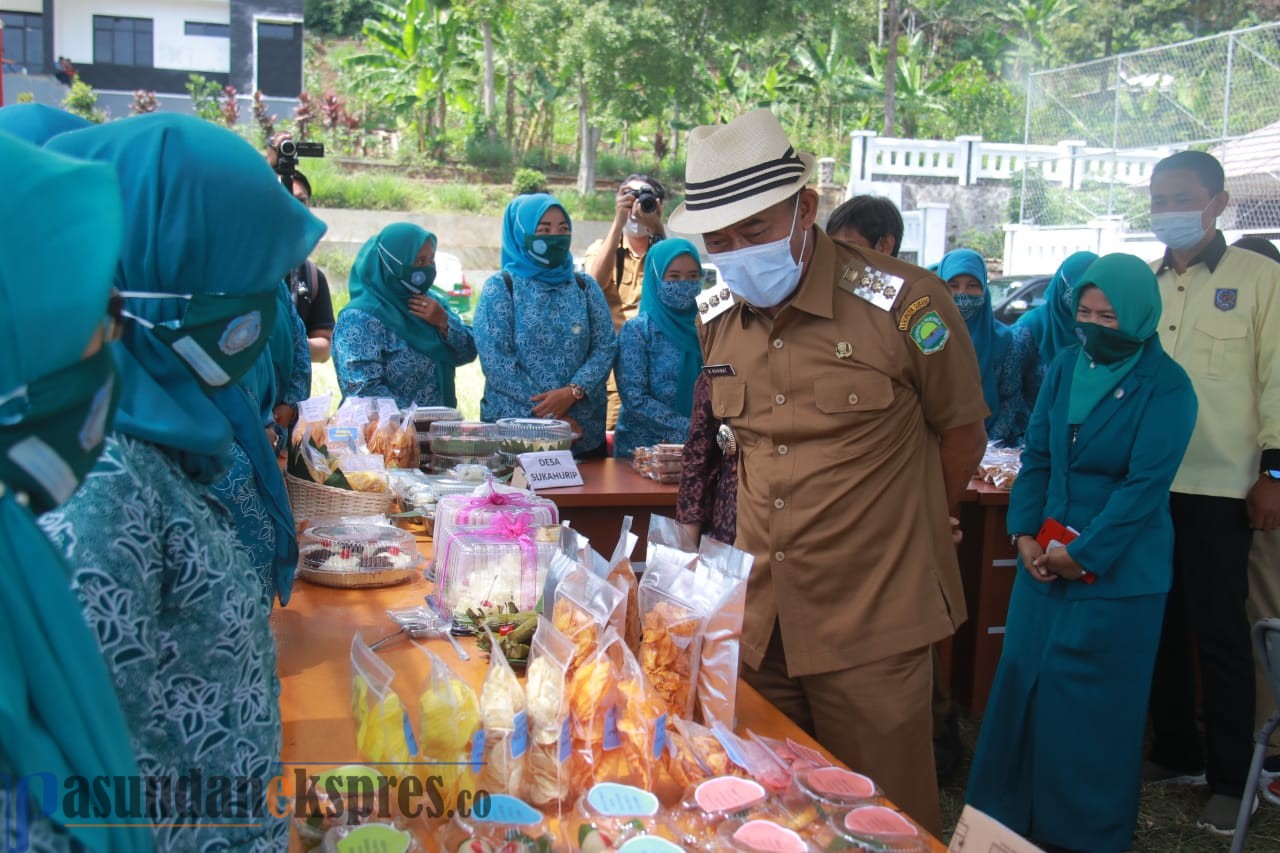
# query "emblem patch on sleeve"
(930, 333)
(914, 308)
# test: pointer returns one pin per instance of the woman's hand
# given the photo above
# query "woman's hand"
(1032, 555)
(1059, 564)
(554, 403)
(429, 311)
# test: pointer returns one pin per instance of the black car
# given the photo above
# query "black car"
(1014, 295)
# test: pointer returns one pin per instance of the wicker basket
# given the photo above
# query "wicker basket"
(312, 500)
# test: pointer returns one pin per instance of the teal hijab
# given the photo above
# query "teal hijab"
(204, 214)
(58, 708)
(1130, 286)
(676, 326)
(1053, 324)
(991, 338)
(519, 221)
(375, 283)
(37, 123)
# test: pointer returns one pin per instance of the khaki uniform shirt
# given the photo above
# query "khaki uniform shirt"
(837, 404)
(1221, 322)
(623, 296)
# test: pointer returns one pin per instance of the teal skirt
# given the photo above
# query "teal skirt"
(1059, 759)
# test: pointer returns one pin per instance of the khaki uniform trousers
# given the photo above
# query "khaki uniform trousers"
(876, 718)
(1263, 603)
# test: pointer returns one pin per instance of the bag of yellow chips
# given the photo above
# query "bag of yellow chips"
(506, 727)
(673, 620)
(384, 735)
(450, 729)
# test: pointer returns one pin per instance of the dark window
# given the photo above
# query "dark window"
(24, 39)
(284, 32)
(122, 41)
(280, 59)
(200, 28)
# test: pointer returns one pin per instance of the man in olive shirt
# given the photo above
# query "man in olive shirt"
(852, 387)
(1221, 322)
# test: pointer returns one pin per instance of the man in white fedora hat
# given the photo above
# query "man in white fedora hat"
(854, 394)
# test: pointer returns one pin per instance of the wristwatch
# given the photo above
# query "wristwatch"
(578, 391)
(1014, 537)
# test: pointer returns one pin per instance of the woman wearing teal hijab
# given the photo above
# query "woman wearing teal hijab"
(1051, 324)
(179, 611)
(397, 337)
(37, 123)
(658, 353)
(1059, 759)
(58, 707)
(544, 333)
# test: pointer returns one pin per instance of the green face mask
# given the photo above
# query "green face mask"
(52, 429)
(1106, 345)
(220, 336)
(549, 250)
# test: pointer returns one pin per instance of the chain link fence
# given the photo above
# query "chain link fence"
(1122, 114)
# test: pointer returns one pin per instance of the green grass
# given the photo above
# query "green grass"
(457, 198)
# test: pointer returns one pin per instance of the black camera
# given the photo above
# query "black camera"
(646, 198)
(287, 153)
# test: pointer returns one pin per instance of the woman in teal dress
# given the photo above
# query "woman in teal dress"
(177, 607)
(658, 354)
(58, 707)
(1059, 759)
(397, 337)
(1051, 324)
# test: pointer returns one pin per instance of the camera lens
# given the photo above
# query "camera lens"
(288, 148)
(647, 200)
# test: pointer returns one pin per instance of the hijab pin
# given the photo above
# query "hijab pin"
(1119, 393)
(844, 349)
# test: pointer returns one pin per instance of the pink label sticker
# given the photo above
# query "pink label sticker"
(878, 820)
(841, 784)
(727, 794)
(762, 835)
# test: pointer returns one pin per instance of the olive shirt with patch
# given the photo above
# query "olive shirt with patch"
(1221, 322)
(841, 498)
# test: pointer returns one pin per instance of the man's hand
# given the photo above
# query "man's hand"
(1058, 563)
(429, 311)
(957, 535)
(622, 204)
(1032, 555)
(285, 415)
(554, 403)
(1263, 503)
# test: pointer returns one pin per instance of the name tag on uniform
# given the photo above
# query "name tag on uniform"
(874, 285)
(719, 370)
(713, 302)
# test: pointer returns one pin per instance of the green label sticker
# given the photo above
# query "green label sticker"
(374, 838)
(930, 333)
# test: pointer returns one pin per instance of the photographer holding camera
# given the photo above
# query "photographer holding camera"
(637, 225)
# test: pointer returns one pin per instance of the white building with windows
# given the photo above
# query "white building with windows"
(126, 45)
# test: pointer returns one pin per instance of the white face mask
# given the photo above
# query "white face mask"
(1179, 229)
(766, 274)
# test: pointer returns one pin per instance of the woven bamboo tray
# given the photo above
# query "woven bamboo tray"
(312, 500)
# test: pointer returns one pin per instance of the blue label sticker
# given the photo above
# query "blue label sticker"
(649, 844)
(731, 747)
(566, 743)
(613, 800)
(408, 734)
(659, 736)
(477, 751)
(520, 737)
(612, 740)
(508, 810)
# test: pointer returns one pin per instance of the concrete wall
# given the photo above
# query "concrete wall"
(979, 207)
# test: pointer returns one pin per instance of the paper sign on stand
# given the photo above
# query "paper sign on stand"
(978, 832)
(553, 469)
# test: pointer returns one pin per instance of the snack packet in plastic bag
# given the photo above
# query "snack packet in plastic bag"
(506, 727)
(384, 735)
(673, 620)
(550, 735)
(622, 576)
(366, 472)
(722, 573)
(754, 759)
(670, 543)
(614, 718)
(450, 728)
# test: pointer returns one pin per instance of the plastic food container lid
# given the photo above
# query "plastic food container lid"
(879, 828)
(428, 414)
(837, 785)
(728, 794)
(764, 836)
(533, 429)
(463, 429)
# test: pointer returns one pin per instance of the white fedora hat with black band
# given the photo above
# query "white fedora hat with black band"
(737, 169)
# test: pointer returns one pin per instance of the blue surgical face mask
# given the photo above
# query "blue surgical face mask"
(1179, 229)
(414, 279)
(680, 295)
(766, 274)
(969, 304)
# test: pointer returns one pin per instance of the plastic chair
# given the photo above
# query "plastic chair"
(1266, 644)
